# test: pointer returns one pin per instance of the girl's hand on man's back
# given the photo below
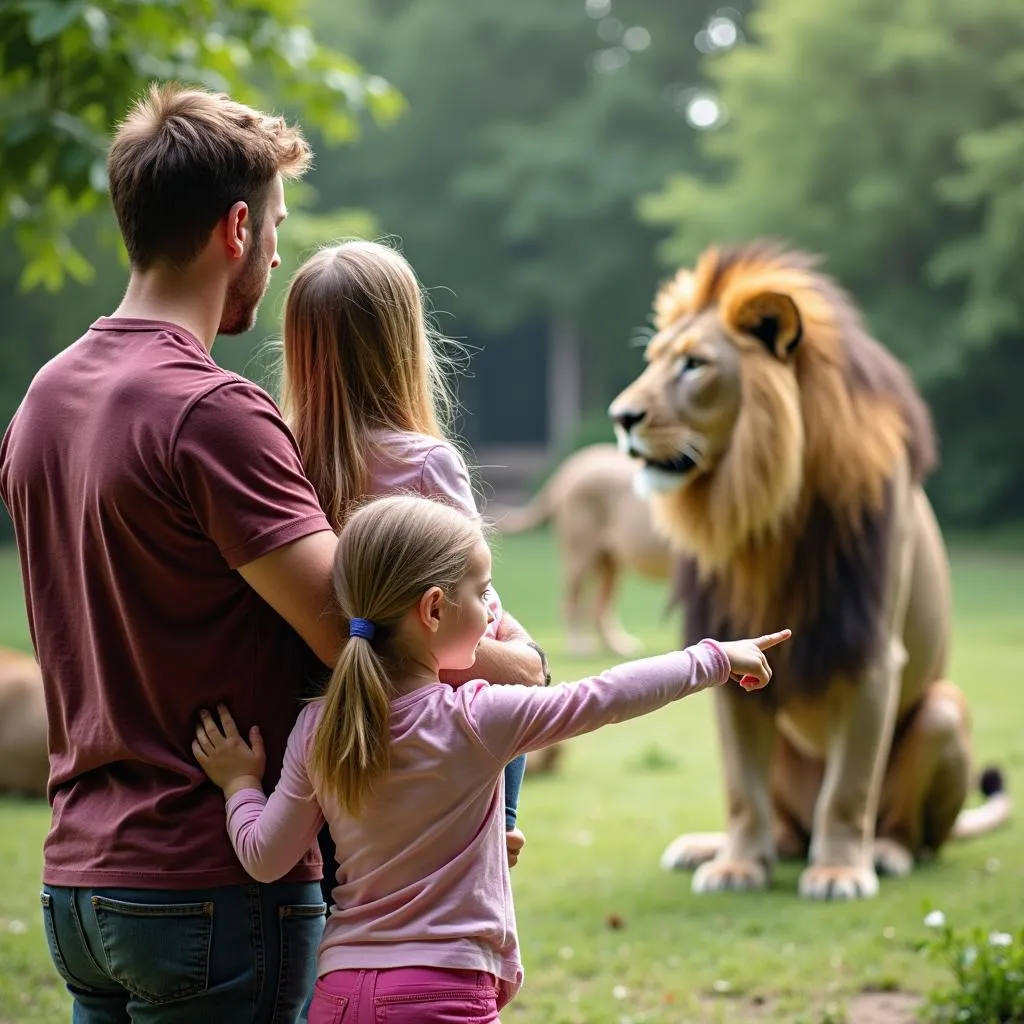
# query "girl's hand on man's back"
(224, 755)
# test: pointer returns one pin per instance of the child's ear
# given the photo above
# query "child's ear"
(431, 608)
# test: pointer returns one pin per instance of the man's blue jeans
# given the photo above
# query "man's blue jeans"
(227, 955)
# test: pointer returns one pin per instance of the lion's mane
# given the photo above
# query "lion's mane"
(791, 526)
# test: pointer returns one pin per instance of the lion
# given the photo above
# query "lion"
(783, 451)
(603, 529)
(24, 761)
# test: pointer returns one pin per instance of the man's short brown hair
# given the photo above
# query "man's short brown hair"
(182, 158)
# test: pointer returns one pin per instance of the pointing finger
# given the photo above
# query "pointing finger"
(771, 639)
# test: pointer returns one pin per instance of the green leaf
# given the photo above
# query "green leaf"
(52, 18)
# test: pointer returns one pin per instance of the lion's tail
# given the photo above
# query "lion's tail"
(995, 811)
(529, 517)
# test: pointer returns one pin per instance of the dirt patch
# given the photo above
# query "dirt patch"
(883, 1008)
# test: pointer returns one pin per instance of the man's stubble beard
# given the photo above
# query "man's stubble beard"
(245, 293)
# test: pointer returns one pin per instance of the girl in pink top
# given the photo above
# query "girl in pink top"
(406, 770)
(364, 391)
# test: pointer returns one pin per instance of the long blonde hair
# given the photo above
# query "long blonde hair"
(390, 553)
(359, 355)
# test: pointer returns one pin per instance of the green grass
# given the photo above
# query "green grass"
(607, 936)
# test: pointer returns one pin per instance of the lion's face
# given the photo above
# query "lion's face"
(680, 414)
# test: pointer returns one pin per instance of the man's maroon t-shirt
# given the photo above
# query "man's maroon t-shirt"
(140, 476)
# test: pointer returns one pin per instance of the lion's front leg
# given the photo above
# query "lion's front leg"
(746, 729)
(861, 717)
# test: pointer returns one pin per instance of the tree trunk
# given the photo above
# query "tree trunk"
(563, 383)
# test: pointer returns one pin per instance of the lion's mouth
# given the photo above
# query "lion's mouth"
(679, 464)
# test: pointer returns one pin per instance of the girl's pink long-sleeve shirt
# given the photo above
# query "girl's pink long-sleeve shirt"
(423, 878)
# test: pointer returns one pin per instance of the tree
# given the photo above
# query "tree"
(532, 129)
(70, 68)
(890, 139)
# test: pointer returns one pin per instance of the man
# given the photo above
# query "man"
(173, 555)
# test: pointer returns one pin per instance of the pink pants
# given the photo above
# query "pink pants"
(406, 995)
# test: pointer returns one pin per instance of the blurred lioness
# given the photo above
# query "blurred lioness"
(603, 530)
(24, 765)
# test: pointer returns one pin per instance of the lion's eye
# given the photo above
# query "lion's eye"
(688, 363)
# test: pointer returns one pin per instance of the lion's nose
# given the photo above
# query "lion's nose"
(627, 418)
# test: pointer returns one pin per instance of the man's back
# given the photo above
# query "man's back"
(140, 476)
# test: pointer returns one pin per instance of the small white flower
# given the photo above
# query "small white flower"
(888, 932)
(1000, 939)
(17, 927)
(566, 952)
(936, 919)
(721, 986)
(620, 992)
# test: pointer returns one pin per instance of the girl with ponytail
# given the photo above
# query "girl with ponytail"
(407, 770)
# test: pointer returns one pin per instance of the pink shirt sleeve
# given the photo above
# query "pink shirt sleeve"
(271, 835)
(513, 720)
(241, 474)
(445, 476)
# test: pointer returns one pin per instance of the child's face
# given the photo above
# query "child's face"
(466, 614)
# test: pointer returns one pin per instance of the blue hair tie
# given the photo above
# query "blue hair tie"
(361, 627)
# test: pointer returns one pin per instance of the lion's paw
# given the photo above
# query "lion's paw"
(727, 874)
(822, 882)
(892, 858)
(689, 851)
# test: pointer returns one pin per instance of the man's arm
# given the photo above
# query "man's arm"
(295, 580)
(508, 661)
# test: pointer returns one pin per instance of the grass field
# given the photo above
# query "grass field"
(609, 938)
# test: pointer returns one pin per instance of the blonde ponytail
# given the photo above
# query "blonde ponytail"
(350, 749)
(391, 552)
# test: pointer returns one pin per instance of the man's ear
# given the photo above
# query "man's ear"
(772, 318)
(430, 608)
(238, 230)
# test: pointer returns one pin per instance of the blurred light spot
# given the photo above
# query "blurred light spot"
(606, 62)
(610, 29)
(703, 112)
(703, 42)
(598, 8)
(722, 32)
(636, 38)
(620, 992)
(297, 46)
